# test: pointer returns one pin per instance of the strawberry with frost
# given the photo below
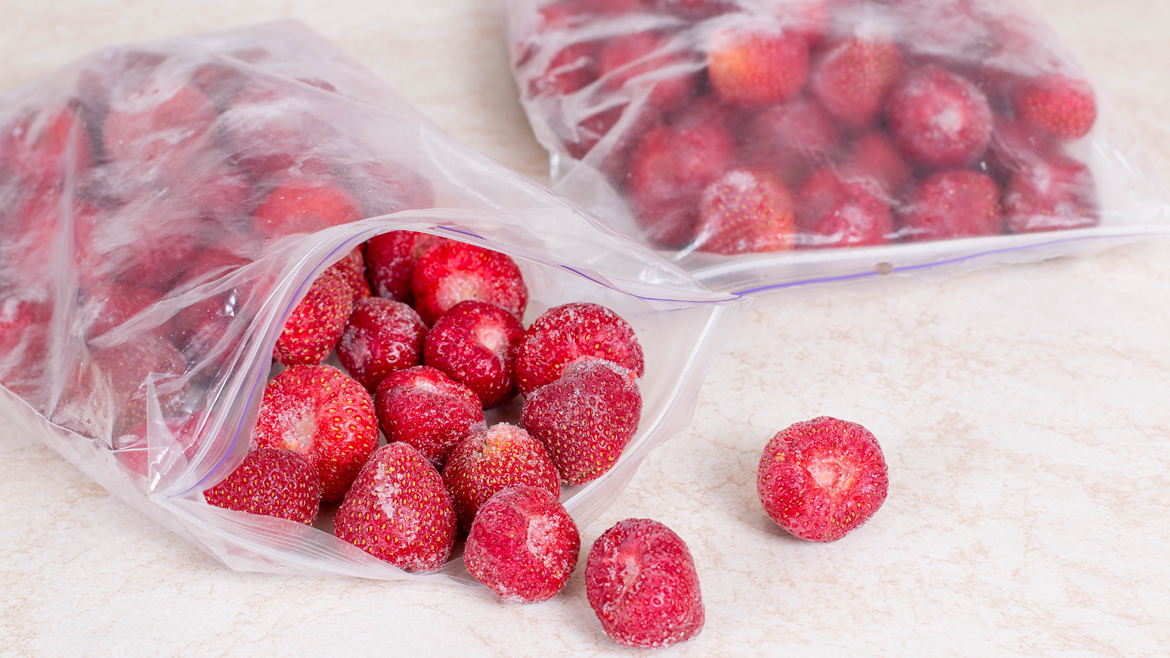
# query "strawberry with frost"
(585, 418)
(489, 460)
(822, 478)
(475, 344)
(523, 544)
(853, 77)
(641, 582)
(1060, 105)
(324, 415)
(390, 261)
(303, 206)
(315, 324)
(380, 336)
(746, 211)
(952, 204)
(571, 332)
(271, 482)
(452, 272)
(398, 511)
(425, 408)
(756, 65)
(939, 118)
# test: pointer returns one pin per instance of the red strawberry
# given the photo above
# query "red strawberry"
(303, 207)
(952, 204)
(314, 326)
(398, 511)
(475, 344)
(452, 272)
(570, 69)
(425, 408)
(489, 460)
(874, 162)
(390, 261)
(37, 147)
(1053, 193)
(381, 336)
(1063, 106)
(939, 118)
(271, 482)
(163, 124)
(642, 585)
(568, 333)
(752, 66)
(852, 78)
(821, 479)
(790, 137)
(523, 544)
(746, 211)
(324, 415)
(670, 167)
(839, 213)
(585, 418)
(636, 61)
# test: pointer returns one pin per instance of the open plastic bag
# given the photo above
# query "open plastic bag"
(140, 297)
(769, 144)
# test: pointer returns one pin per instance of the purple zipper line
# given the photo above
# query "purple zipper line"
(909, 268)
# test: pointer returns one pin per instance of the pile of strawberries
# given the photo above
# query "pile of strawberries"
(734, 128)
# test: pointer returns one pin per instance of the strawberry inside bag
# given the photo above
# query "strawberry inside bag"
(188, 217)
(784, 144)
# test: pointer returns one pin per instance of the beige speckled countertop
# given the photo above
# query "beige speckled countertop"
(1024, 411)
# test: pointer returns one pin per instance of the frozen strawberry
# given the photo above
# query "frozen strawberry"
(381, 336)
(271, 482)
(1053, 193)
(163, 124)
(641, 582)
(1063, 106)
(670, 167)
(835, 212)
(585, 418)
(427, 409)
(952, 204)
(755, 66)
(572, 332)
(523, 544)
(132, 449)
(874, 162)
(475, 344)
(352, 268)
(746, 211)
(820, 479)
(489, 460)
(303, 207)
(398, 511)
(939, 118)
(570, 69)
(853, 77)
(40, 146)
(324, 415)
(128, 367)
(314, 326)
(790, 137)
(636, 62)
(1016, 145)
(390, 261)
(453, 272)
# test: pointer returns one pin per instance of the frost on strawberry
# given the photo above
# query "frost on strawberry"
(475, 344)
(381, 336)
(425, 408)
(822, 478)
(571, 332)
(452, 272)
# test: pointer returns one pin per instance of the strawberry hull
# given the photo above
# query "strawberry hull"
(149, 283)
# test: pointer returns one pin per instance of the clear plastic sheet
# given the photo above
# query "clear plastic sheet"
(141, 294)
(714, 130)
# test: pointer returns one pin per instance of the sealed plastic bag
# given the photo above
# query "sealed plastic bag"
(144, 278)
(780, 143)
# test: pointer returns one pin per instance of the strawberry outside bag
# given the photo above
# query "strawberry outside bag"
(144, 278)
(792, 143)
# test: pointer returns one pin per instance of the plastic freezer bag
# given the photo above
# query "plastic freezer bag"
(777, 143)
(142, 293)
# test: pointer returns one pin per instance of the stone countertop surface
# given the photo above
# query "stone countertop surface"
(1024, 412)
